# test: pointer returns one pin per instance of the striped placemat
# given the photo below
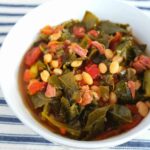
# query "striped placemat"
(14, 135)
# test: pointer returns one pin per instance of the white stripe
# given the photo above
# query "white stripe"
(5, 110)
(16, 129)
(14, 10)
(33, 147)
(1, 39)
(23, 1)
(9, 19)
(5, 28)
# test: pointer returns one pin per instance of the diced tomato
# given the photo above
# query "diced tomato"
(116, 39)
(99, 46)
(48, 30)
(131, 85)
(78, 50)
(79, 32)
(27, 76)
(93, 33)
(32, 56)
(63, 131)
(50, 91)
(35, 86)
(58, 29)
(93, 70)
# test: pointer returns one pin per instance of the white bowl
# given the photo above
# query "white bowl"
(54, 12)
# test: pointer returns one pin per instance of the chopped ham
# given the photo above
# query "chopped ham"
(115, 40)
(79, 32)
(50, 91)
(141, 63)
(132, 87)
(78, 50)
(54, 45)
(93, 33)
(99, 46)
(86, 96)
(85, 88)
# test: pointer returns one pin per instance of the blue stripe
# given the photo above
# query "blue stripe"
(10, 120)
(7, 23)
(143, 8)
(135, 144)
(18, 5)
(25, 139)
(11, 14)
(130, 148)
(22, 135)
(0, 44)
(3, 33)
(33, 139)
(3, 102)
(29, 143)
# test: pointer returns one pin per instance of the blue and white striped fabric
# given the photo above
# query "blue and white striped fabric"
(14, 135)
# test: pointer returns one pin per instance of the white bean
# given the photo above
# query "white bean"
(102, 68)
(44, 75)
(57, 71)
(78, 77)
(114, 67)
(108, 53)
(54, 63)
(76, 63)
(87, 78)
(142, 108)
(47, 58)
(118, 58)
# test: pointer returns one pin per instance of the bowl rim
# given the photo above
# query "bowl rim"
(113, 141)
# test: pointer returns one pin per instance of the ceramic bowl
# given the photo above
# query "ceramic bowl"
(54, 12)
